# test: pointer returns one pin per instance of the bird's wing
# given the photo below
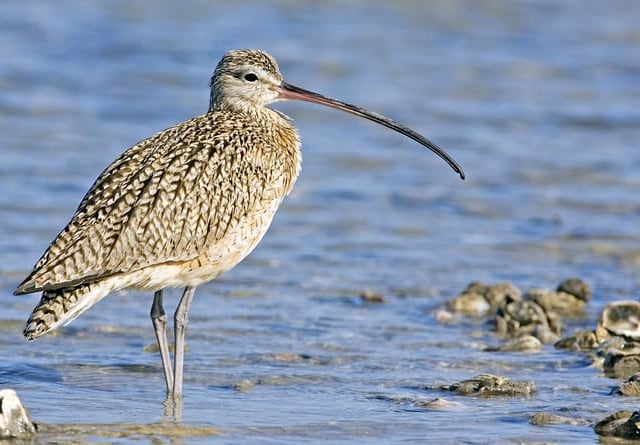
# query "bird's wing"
(161, 201)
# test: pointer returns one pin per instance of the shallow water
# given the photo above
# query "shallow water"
(538, 101)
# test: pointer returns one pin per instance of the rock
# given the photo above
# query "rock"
(579, 342)
(469, 303)
(14, 419)
(421, 402)
(490, 385)
(546, 418)
(621, 363)
(369, 296)
(577, 288)
(623, 424)
(562, 302)
(285, 357)
(526, 317)
(613, 342)
(622, 318)
(479, 299)
(527, 343)
(548, 333)
(243, 385)
(444, 317)
(606, 347)
(497, 294)
(602, 334)
(630, 387)
(437, 403)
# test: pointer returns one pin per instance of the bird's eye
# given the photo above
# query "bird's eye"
(250, 77)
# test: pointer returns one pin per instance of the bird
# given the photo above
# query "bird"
(180, 208)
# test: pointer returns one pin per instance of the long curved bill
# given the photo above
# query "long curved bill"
(292, 92)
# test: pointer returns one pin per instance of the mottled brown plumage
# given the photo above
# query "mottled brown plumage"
(183, 206)
(176, 198)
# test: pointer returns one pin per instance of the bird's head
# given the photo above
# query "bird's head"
(245, 79)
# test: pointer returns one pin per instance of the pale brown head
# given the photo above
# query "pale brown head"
(248, 79)
(245, 79)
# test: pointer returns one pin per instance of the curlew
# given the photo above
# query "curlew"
(184, 206)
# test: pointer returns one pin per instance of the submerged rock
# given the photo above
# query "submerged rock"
(623, 424)
(14, 419)
(243, 385)
(421, 402)
(546, 418)
(369, 296)
(490, 385)
(437, 403)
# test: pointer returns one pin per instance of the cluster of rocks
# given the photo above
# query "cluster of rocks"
(623, 424)
(534, 318)
(614, 344)
(482, 385)
(489, 385)
(528, 319)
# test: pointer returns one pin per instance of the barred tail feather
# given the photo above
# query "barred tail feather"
(60, 307)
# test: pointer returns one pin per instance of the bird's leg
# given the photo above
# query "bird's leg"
(159, 320)
(180, 320)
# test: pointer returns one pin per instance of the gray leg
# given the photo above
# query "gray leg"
(180, 320)
(159, 319)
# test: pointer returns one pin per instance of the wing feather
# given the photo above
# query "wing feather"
(162, 200)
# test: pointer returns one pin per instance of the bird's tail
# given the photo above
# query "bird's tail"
(61, 306)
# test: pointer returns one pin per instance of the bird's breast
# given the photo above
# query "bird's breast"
(231, 204)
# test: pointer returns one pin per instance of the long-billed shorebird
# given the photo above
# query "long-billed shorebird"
(184, 206)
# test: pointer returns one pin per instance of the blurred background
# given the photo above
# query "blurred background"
(537, 100)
